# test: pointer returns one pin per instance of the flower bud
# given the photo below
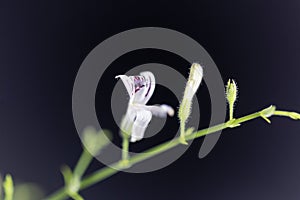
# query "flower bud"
(294, 115)
(231, 95)
(195, 78)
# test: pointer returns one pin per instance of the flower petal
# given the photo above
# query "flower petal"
(158, 110)
(128, 120)
(146, 92)
(140, 88)
(129, 84)
(143, 117)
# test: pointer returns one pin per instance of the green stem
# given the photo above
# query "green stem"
(282, 113)
(1, 187)
(183, 114)
(83, 163)
(231, 111)
(125, 148)
(182, 132)
(106, 172)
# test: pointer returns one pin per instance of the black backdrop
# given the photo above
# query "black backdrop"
(42, 45)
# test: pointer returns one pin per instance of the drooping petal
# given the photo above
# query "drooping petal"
(143, 117)
(158, 110)
(168, 109)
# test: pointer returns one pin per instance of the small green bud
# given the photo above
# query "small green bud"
(195, 78)
(231, 91)
(189, 131)
(8, 187)
(231, 95)
(94, 140)
(292, 115)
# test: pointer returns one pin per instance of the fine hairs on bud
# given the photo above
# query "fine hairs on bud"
(195, 78)
(231, 96)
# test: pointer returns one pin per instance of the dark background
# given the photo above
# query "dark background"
(42, 45)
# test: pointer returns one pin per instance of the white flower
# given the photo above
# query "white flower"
(195, 78)
(140, 89)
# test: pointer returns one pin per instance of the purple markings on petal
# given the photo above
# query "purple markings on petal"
(138, 115)
(140, 88)
(150, 86)
(139, 83)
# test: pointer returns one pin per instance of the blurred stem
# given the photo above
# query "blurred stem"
(83, 163)
(106, 172)
(8, 186)
(1, 187)
(125, 148)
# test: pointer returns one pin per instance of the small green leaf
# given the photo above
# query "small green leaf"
(268, 112)
(266, 119)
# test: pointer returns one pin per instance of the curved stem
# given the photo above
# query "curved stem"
(106, 172)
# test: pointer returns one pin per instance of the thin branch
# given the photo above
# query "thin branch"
(106, 172)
